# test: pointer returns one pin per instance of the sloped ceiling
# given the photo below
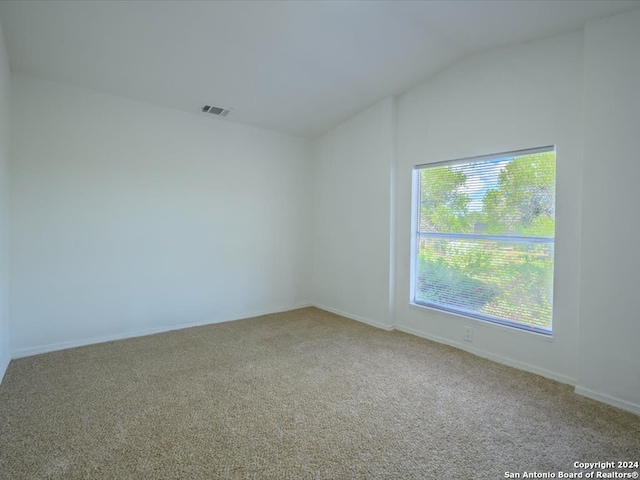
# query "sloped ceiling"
(297, 67)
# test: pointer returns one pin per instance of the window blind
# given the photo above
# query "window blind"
(484, 242)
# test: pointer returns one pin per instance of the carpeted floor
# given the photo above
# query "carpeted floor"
(302, 394)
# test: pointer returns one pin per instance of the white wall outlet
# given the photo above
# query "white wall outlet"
(468, 334)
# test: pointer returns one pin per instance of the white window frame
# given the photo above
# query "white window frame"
(416, 234)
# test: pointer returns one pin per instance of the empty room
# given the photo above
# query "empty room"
(319, 239)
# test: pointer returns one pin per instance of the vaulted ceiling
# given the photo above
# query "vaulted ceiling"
(297, 67)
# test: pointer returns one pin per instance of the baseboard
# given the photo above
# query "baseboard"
(354, 317)
(615, 402)
(579, 390)
(480, 353)
(490, 356)
(4, 364)
(297, 306)
(52, 347)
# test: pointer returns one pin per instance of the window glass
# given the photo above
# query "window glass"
(484, 239)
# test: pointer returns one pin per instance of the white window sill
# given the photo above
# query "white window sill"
(484, 323)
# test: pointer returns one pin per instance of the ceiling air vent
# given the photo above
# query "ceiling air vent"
(221, 112)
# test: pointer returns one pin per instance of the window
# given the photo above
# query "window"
(483, 239)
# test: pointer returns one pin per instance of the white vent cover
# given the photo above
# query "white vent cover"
(221, 112)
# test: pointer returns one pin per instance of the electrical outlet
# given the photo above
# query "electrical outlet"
(468, 334)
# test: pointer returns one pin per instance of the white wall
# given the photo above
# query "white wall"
(128, 218)
(510, 99)
(578, 92)
(353, 264)
(521, 97)
(5, 101)
(610, 317)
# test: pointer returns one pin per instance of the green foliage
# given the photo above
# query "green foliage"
(523, 204)
(509, 281)
(444, 208)
(444, 284)
(496, 278)
(541, 226)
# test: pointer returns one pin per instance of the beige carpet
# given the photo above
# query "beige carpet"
(303, 394)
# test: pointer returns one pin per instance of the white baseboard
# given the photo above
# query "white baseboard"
(354, 317)
(601, 397)
(491, 356)
(297, 306)
(28, 351)
(4, 364)
(480, 353)
(52, 347)
(630, 407)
